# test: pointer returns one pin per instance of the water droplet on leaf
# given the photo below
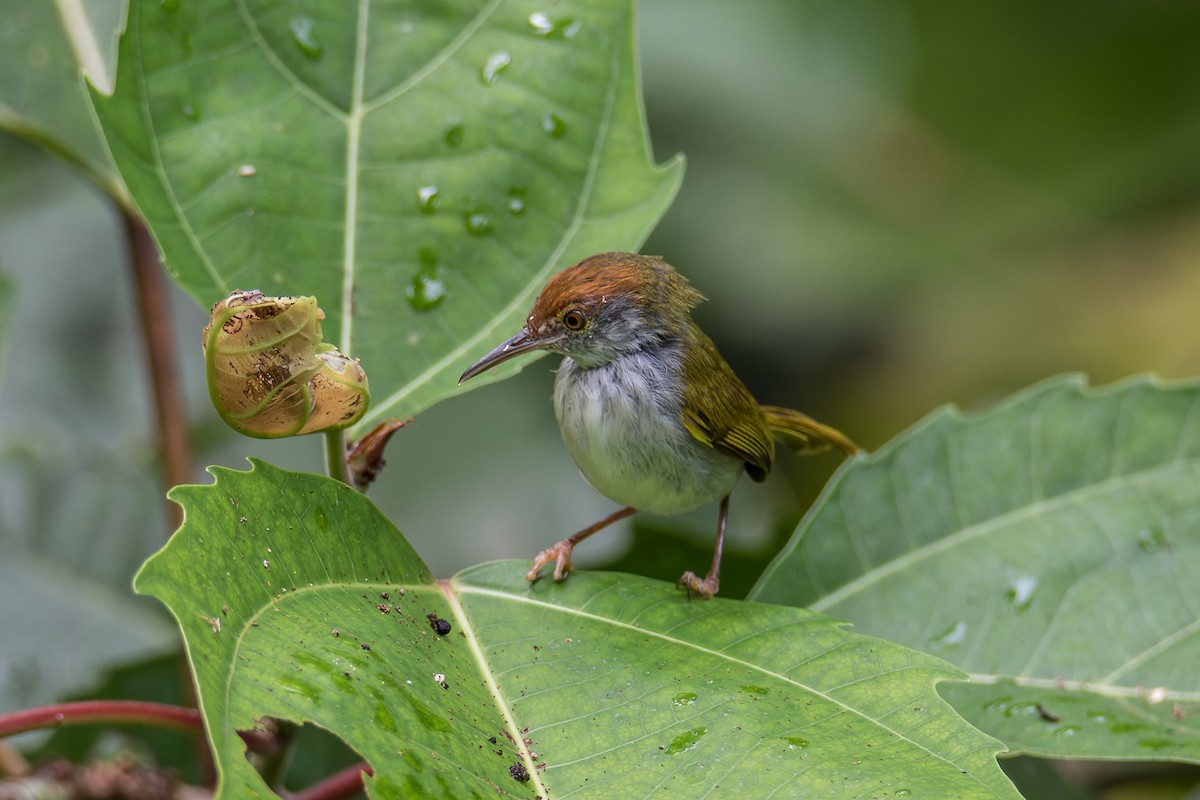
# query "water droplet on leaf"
(190, 111)
(685, 699)
(795, 742)
(516, 200)
(1020, 591)
(306, 40)
(541, 22)
(999, 704)
(554, 125)
(478, 222)
(454, 135)
(686, 740)
(1022, 710)
(545, 25)
(496, 63)
(427, 199)
(952, 637)
(427, 290)
(169, 6)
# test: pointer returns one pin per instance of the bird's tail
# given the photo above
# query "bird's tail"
(803, 434)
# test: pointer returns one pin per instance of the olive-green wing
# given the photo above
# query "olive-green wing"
(719, 410)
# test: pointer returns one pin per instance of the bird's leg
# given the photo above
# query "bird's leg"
(712, 581)
(560, 553)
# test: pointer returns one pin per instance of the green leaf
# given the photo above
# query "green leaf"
(420, 169)
(1048, 547)
(298, 600)
(42, 95)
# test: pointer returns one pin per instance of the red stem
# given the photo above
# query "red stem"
(154, 312)
(122, 712)
(160, 715)
(338, 785)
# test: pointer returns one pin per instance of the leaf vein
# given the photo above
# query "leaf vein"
(524, 296)
(1040, 506)
(718, 654)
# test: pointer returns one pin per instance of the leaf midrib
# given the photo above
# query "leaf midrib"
(950, 673)
(1098, 688)
(515, 733)
(452, 589)
(353, 139)
(524, 297)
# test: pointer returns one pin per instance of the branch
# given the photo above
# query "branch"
(155, 315)
(124, 712)
(338, 785)
(335, 455)
(120, 712)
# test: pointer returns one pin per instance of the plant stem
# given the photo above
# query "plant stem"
(335, 455)
(123, 712)
(155, 316)
(341, 784)
(170, 415)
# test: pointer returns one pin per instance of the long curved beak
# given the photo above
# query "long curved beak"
(523, 342)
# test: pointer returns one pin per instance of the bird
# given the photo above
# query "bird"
(653, 416)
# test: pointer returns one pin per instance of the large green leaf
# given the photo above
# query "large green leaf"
(1048, 547)
(42, 95)
(298, 600)
(420, 168)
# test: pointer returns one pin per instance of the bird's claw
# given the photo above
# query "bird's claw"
(704, 587)
(560, 554)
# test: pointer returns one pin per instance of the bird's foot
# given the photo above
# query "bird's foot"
(704, 587)
(560, 554)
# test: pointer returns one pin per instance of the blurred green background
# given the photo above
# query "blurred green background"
(891, 206)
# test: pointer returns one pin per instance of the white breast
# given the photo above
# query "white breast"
(622, 426)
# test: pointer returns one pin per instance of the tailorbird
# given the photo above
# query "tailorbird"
(653, 415)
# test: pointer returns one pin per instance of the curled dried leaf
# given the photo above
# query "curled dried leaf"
(270, 374)
(365, 459)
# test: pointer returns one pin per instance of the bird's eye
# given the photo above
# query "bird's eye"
(574, 320)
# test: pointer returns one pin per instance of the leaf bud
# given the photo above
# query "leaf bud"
(270, 374)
